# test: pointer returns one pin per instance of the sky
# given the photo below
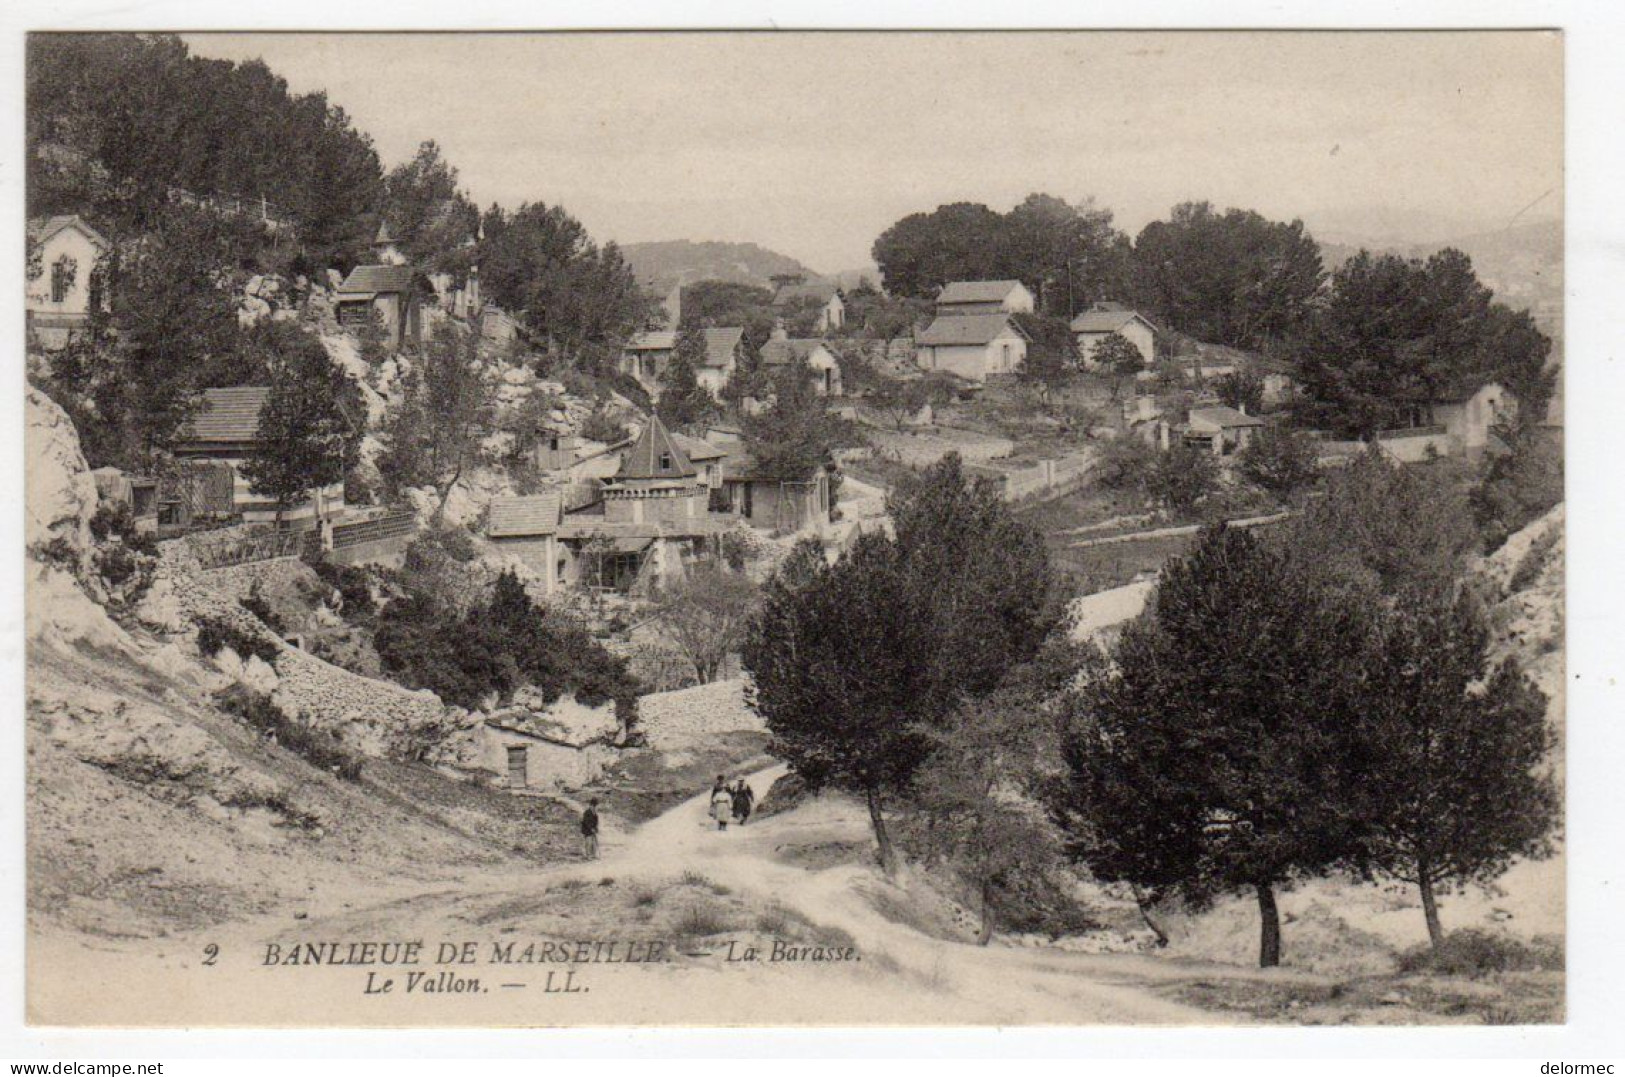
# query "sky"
(811, 144)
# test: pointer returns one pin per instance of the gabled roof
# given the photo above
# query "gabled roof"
(1108, 318)
(968, 329)
(654, 455)
(60, 224)
(720, 343)
(228, 414)
(658, 340)
(522, 517)
(1224, 416)
(823, 291)
(371, 280)
(1465, 390)
(977, 291)
(697, 450)
(783, 352)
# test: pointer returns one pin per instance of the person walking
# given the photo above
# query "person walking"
(722, 803)
(744, 798)
(589, 829)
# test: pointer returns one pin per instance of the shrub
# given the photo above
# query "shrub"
(1473, 952)
(353, 584)
(700, 921)
(255, 603)
(319, 748)
(214, 634)
(1533, 560)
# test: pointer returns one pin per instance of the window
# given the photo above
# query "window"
(665, 461)
(61, 280)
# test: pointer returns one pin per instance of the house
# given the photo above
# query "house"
(780, 351)
(527, 529)
(767, 502)
(972, 346)
(383, 294)
(962, 297)
(137, 492)
(792, 292)
(648, 354)
(1280, 384)
(1219, 429)
(62, 290)
(1470, 414)
(1103, 319)
(225, 430)
(532, 745)
(652, 520)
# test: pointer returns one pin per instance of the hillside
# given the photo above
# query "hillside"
(666, 264)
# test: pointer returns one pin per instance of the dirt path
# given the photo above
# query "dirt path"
(899, 975)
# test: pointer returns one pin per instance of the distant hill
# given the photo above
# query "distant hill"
(668, 263)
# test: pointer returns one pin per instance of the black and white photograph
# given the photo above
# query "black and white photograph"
(910, 528)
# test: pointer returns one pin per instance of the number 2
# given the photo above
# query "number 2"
(210, 953)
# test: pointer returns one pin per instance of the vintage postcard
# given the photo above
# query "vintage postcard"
(736, 528)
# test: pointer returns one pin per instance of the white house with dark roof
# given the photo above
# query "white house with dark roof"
(780, 351)
(1220, 429)
(1105, 318)
(647, 355)
(64, 252)
(793, 291)
(972, 346)
(386, 292)
(984, 297)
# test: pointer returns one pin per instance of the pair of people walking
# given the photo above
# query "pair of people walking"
(731, 803)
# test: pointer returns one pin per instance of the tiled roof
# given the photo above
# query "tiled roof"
(1223, 416)
(520, 517)
(823, 291)
(977, 291)
(782, 352)
(654, 455)
(370, 280)
(45, 230)
(626, 532)
(720, 343)
(966, 329)
(661, 340)
(228, 414)
(1106, 318)
(697, 450)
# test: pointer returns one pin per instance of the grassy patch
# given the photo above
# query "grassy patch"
(1471, 952)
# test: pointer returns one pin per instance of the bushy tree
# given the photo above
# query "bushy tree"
(683, 400)
(1397, 335)
(1233, 278)
(1520, 485)
(900, 399)
(427, 213)
(1279, 460)
(1454, 785)
(1242, 389)
(1052, 356)
(432, 436)
(706, 615)
(794, 436)
(1117, 357)
(1180, 477)
(854, 662)
(1208, 760)
(309, 426)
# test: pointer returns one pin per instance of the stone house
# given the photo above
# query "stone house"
(387, 293)
(647, 355)
(564, 745)
(1105, 318)
(792, 290)
(64, 256)
(965, 297)
(225, 430)
(1470, 414)
(1220, 430)
(770, 503)
(652, 519)
(527, 528)
(781, 351)
(972, 346)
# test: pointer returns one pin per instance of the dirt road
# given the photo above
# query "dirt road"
(894, 974)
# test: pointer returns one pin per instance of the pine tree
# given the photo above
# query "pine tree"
(307, 429)
(1454, 749)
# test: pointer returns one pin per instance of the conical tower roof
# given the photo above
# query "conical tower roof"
(383, 235)
(655, 455)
